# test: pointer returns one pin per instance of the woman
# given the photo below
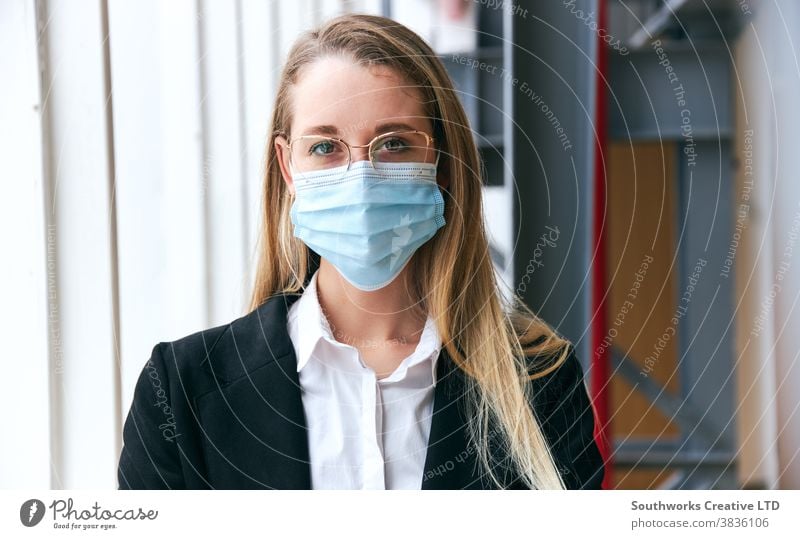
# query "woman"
(378, 352)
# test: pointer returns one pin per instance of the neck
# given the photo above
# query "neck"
(387, 314)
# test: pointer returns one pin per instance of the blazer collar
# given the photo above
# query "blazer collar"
(255, 372)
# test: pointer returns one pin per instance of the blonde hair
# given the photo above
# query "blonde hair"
(453, 276)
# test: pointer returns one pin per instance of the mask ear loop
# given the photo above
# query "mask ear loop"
(291, 171)
(435, 163)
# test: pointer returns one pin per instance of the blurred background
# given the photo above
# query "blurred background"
(641, 172)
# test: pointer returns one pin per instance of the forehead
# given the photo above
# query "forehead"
(335, 91)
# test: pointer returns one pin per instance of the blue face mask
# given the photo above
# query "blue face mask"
(367, 223)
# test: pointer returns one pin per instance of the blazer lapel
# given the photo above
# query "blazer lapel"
(255, 429)
(450, 463)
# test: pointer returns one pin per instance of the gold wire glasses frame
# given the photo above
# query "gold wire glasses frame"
(339, 152)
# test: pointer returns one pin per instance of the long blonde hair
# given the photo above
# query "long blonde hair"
(489, 340)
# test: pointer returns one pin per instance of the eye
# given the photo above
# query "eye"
(323, 148)
(393, 144)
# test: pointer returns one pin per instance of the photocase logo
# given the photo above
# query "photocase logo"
(31, 512)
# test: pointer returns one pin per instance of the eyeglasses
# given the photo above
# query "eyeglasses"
(308, 153)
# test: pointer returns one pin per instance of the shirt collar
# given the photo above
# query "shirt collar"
(309, 326)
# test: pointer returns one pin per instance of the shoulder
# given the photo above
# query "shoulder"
(207, 358)
(566, 414)
(191, 351)
(562, 391)
(567, 373)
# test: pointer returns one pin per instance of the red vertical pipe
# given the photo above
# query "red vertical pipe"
(600, 371)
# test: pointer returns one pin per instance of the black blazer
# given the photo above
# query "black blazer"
(222, 409)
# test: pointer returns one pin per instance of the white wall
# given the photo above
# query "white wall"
(25, 275)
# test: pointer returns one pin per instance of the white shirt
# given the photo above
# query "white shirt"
(363, 433)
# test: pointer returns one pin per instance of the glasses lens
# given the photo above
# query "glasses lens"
(402, 148)
(311, 153)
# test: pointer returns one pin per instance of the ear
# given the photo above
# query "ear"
(282, 154)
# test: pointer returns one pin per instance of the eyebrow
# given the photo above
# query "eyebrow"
(392, 126)
(322, 130)
(332, 130)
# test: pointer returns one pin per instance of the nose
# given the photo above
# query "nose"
(359, 154)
